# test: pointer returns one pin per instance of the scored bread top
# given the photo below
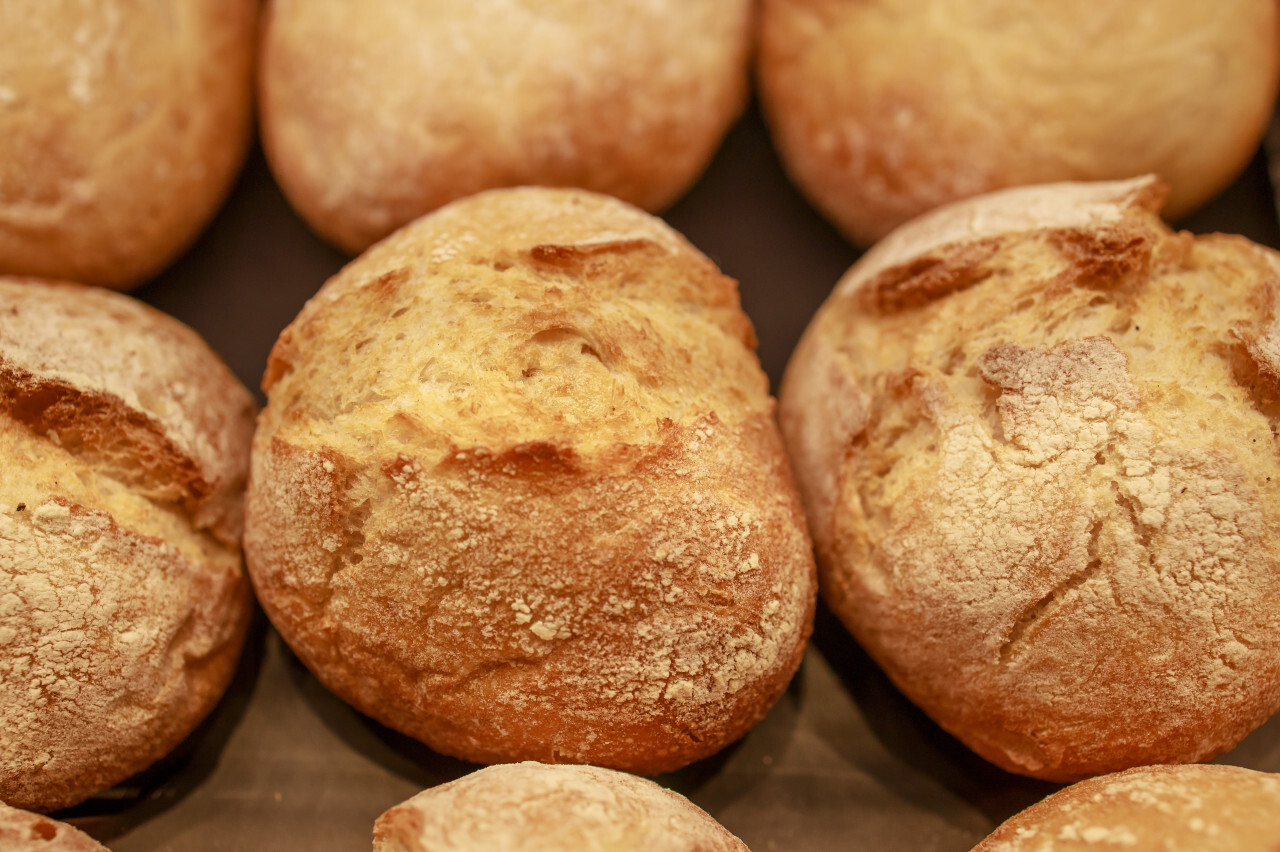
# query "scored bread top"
(133, 390)
(123, 600)
(519, 492)
(1038, 462)
(533, 807)
(607, 322)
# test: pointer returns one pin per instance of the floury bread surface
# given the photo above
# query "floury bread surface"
(124, 443)
(1036, 437)
(376, 113)
(518, 491)
(532, 807)
(1166, 808)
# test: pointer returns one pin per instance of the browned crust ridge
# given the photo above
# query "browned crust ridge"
(123, 601)
(1037, 460)
(565, 532)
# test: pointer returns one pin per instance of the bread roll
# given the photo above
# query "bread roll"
(375, 113)
(518, 491)
(1036, 437)
(124, 443)
(882, 111)
(1169, 808)
(22, 831)
(122, 127)
(532, 807)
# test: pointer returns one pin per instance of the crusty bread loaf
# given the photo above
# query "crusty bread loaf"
(882, 111)
(124, 443)
(122, 127)
(376, 113)
(1036, 437)
(518, 490)
(23, 831)
(1165, 808)
(533, 807)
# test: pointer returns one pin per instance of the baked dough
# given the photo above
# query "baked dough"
(22, 831)
(1166, 808)
(884, 110)
(532, 807)
(122, 128)
(123, 602)
(518, 490)
(377, 112)
(1036, 437)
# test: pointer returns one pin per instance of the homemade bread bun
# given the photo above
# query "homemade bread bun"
(518, 491)
(22, 831)
(1166, 808)
(375, 113)
(532, 807)
(124, 443)
(1036, 437)
(882, 111)
(122, 127)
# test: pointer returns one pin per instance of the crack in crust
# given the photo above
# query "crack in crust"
(123, 602)
(1052, 518)
(581, 540)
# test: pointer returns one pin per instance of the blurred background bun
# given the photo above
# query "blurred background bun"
(1166, 808)
(122, 128)
(377, 112)
(533, 807)
(881, 111)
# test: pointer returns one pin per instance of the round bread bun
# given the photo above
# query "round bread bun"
(518, 490)
(122, 128)
(23, 831)
(1036, 435)
(882, 111)
(123, 602)
(1166, 808)
(533, 807)
(376, 113)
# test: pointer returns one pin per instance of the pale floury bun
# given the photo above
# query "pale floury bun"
(122, 128)
(1166, 808)
(884, 110)
(518, 490)
(377, 112)
(532, 807)
(23, 831)
(1036, 437)
(124, 442)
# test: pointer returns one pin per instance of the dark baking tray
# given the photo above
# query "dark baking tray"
(842, 762)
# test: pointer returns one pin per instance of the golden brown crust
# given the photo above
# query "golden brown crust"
(122, 127)
(518, 491)
(882, 111)
(1043, 500)
(373, 115)
(123, 602)
(1169, 808)
(21, 831)
(532, 807)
